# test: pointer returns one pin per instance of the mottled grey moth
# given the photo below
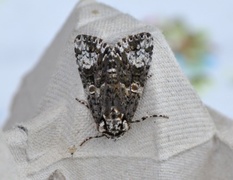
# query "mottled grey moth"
(113, 76)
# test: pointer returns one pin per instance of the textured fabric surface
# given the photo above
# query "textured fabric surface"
(35, 84)
(191, 144)
(8, 168)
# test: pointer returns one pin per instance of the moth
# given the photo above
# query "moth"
(114, 76)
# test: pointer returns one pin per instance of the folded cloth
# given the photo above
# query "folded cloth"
(194, 143)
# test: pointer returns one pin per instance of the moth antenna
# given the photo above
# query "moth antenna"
(89, 138)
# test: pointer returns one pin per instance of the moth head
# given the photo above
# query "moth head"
(113, 124)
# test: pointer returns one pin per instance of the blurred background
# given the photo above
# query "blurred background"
(199, 33)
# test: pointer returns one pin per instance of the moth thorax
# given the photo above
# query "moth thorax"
(112, 75)
(114, 114)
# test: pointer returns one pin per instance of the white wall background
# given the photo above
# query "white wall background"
(27, 27)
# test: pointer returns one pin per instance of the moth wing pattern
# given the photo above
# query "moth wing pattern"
(89, 51)
(136, 53)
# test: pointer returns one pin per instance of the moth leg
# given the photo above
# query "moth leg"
(89, 138)
(83, 102)
(149, 116)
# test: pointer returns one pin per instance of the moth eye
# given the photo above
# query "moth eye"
(134, 88)
(92, 89)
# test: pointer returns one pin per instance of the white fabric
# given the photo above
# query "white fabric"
(191, 144)
(8, 169)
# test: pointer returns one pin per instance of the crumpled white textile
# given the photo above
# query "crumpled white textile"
(194, 143)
